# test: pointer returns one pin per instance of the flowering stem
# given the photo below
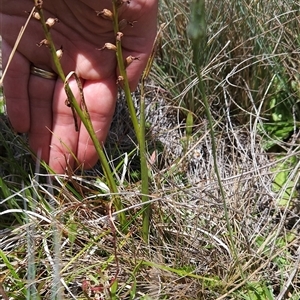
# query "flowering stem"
(138, 128)
(83, 115)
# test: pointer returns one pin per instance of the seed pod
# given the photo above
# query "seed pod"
(129, 59)
(105, 14)
(119, 36)
(51, 21)
(109, 46)
(60, 52)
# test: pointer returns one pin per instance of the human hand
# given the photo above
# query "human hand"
(37, 105)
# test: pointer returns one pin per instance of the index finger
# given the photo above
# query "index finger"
(100, 99)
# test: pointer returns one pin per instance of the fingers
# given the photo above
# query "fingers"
(41, 95)
(15, 87)
(29, 98)
(100, 98)
(64, 137)
(68, 147)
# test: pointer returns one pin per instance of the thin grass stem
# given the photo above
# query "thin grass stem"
(197, 34)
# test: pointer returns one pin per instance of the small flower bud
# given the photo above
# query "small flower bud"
(120, 79)
(129, 59)
(51, 21)
(38, 3)
(36, 15)
(109, 46)
(105, 14)
(119, 36)
(60, 52)
(43, 42)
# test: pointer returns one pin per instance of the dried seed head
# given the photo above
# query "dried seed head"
(36, 15)
(119, 36)
(109, 46)
(129, 59)
(43, 42)
(105, 14)
(51, 21)
(60, 52)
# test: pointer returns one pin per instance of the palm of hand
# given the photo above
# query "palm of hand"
(80, 32)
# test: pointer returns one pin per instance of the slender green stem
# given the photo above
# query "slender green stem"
(138, 128)
(144, 169)
(123, 73)
(216, 169)
(197, 34)
(84, 117)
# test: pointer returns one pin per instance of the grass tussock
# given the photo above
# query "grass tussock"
(61, 237)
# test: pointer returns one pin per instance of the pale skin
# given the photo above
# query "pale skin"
(37, 106)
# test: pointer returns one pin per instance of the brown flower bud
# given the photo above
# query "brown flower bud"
(129, 59)
(120, 79)
(51, 21)
(36, 15)
(43, 42)
(105, 14)
(109, 46)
